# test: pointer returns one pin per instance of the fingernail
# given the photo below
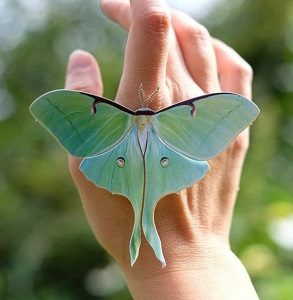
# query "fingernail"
(83, 73)
(106, 6)
(79, 59)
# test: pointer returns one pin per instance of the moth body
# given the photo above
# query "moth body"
(143, 125)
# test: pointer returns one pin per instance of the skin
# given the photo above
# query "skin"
(169, 49)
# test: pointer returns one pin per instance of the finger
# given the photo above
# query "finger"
(146, 51)
(235, 73)
(198, 52)
(118, 11)
(83, 73)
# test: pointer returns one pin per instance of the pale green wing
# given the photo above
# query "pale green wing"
(167, 171)
(203, 127)
(121, 171)
(69, 116)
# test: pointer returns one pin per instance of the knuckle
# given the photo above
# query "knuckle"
(198, 33)
(242, 70)
(157, 21)
(240, 144)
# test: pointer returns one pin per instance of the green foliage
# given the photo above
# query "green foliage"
(46, 248)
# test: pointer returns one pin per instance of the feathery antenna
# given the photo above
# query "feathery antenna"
(144, 99)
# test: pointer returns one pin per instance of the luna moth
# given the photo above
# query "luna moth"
(143, 155)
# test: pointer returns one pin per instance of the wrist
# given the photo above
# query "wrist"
(206, 273)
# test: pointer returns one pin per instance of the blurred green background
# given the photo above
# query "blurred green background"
(47, 250)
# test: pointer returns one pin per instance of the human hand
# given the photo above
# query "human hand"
(172, 51)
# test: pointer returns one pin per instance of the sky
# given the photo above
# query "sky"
(197, 8)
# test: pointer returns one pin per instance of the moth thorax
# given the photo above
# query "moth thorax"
(142, 124)
(141, 121)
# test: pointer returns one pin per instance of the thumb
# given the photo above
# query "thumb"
(83, 73)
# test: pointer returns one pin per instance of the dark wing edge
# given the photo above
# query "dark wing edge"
(192, 101)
